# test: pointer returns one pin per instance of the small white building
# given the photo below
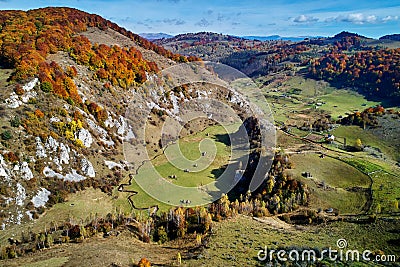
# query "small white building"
(330, 138)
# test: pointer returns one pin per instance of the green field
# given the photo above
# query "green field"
(338, 178)
(179, 172)
(385, 183)
(298, 94)
(340, 102)
(385, 191)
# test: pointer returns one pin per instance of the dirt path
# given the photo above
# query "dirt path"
(275, 223)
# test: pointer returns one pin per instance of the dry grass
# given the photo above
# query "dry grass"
(122, 250)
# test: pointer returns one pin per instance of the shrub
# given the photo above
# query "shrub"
(15, 121)
(79, 143)
(6, 135)
(32, 100)
(39, 113)
(46, 87)
(19, 90)
(162, 235)
(70, 101)
(11, 157)
(144, 263)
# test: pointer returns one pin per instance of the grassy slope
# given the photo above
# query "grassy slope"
(79, 207)
(338, 177)
(340, 102)
(351, 133)
(237, 241)
(304, 91)
(189, 146)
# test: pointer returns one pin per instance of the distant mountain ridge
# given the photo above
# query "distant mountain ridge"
(393, 37)
(160, 35)
(204, 37)
(278, 37)
(154, 36)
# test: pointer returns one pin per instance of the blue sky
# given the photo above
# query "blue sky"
(257, 17)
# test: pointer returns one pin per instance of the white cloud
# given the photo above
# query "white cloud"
(360, 18)
(305, 19)
(389, 18)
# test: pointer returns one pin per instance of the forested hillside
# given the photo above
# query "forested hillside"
(376, 73)
(28, 37)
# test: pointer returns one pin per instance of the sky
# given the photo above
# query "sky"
(240, 18)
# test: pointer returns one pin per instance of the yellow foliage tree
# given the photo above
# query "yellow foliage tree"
(144, 263)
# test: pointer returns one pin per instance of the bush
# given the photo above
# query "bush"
(6, 135)
(15, 122)
(11, 157)
(70, 101)
(46, 87)
(39, 113)
(19, 90)
(144, 263)
(161, 236)
(32, 100)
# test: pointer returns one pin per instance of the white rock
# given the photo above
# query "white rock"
(20, 215)
(54, 119)
(21, 195)
(123, 129)
(52, 144)
(129, 135)
(85, 136)
(121, 125)
(87, 168)
(13, 101)
(8, 200)
(107, 142)
(56, 161)
(50, 173)
(71, 177)
(26, 172)
(3, 172)
(25, 98)
(109, 122)
(175, 104)
(74, 177)
(112, 164)
(41, 198)
(40, 150)
(102, 132)
(64, 153)
(201, 94)
(29, 86)
(29, 214)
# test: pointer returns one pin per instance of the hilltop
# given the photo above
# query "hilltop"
(393, 37)
(154, 36)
